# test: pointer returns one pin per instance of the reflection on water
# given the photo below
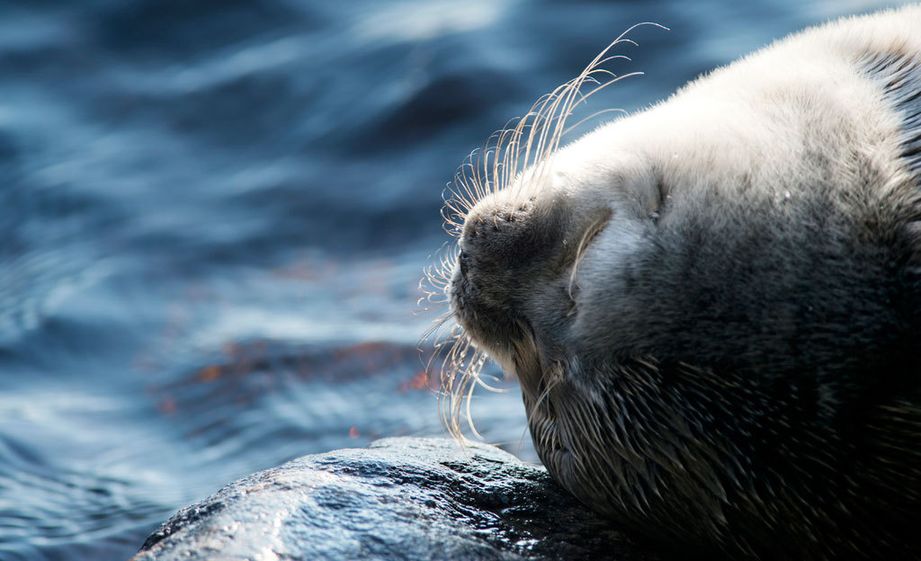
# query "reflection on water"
(215, 215)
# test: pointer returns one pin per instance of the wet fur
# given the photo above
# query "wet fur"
(733, 365)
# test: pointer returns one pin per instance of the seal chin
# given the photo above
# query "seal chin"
(490, 329)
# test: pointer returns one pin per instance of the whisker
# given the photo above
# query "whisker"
(594, 115)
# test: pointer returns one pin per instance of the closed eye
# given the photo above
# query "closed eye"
(590, 234)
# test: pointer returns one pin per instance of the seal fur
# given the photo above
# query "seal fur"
(712, 306)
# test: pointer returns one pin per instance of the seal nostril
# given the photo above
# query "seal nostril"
(463, 259)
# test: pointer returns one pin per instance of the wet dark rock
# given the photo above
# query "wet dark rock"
(401, 498)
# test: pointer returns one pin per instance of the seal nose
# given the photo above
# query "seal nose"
(463, 261)
(503, 233)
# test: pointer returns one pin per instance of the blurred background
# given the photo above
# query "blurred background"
(214, 215)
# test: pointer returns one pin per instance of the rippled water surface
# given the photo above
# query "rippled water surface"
(214, 215)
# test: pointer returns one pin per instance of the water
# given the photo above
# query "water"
(214, 216)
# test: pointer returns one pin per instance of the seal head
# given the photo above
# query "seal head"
(712, 306)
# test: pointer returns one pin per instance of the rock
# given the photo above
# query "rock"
(399, 499)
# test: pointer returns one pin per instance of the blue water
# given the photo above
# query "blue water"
(214, 215)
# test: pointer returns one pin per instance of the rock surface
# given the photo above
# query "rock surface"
(399, 499)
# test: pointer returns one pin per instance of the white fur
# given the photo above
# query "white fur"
(757, 118)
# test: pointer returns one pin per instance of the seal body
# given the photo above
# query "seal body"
(713, 306)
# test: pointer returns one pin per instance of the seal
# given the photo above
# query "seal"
(713, 306)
